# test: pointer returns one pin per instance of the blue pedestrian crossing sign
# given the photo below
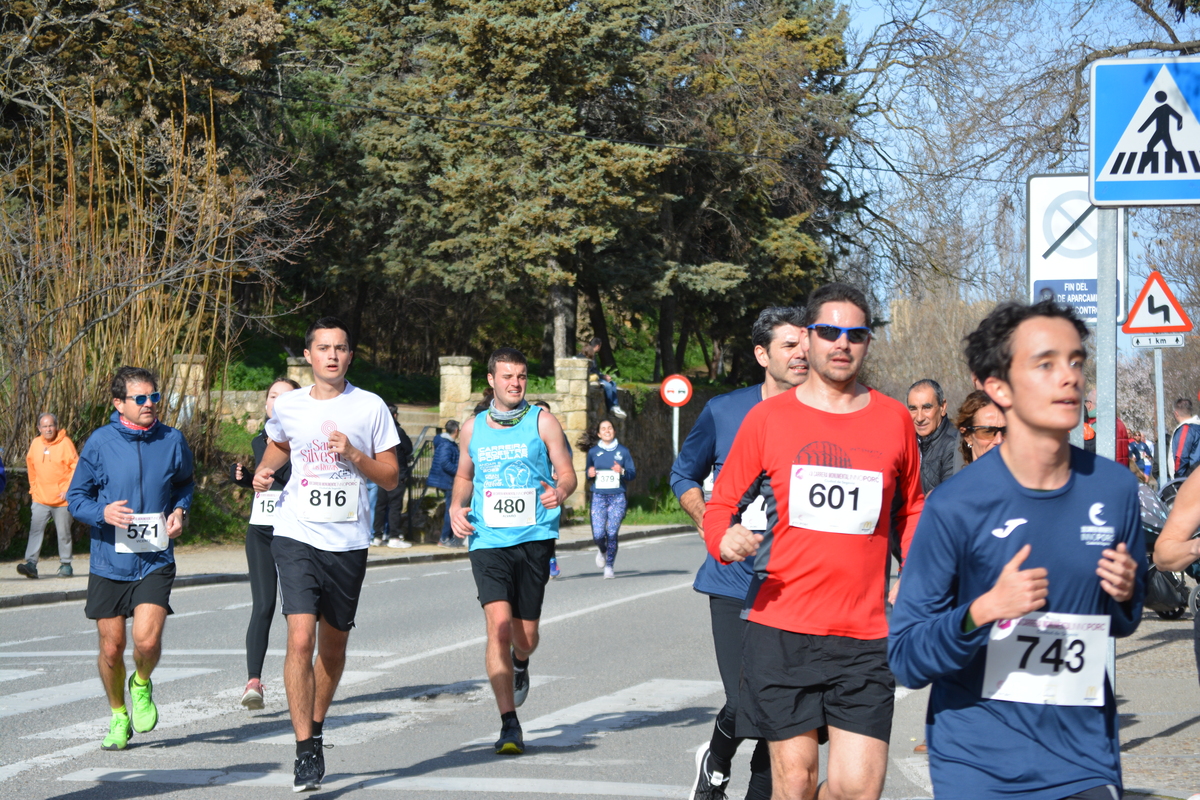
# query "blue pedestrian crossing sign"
(1145, 137)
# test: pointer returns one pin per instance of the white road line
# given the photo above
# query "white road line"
(17, 674)
(450, 648)
(581, 722)
(902, 692)
(389, 580)
(47, 760)
(37, 699)
(38, 639)
(431, 574)
(240, 652)
(512, 787)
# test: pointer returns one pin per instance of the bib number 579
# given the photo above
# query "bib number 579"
(834, 496)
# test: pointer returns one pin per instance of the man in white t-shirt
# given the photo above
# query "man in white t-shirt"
(337, 436)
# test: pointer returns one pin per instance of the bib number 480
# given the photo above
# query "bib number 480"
(327, 498)
(834, 496)
(509, 505)
(1053, 655)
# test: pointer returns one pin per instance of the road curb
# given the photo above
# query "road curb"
(45, 598)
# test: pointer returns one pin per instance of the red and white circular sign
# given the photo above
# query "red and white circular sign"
(676, 390)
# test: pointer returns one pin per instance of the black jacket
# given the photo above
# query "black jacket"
(937, 454)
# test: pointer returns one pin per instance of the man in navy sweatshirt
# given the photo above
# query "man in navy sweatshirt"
(778, 337)
(1022, 566)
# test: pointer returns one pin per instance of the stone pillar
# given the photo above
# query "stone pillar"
(571, 386)
(299, 370)
(188, 383)
(455, 390)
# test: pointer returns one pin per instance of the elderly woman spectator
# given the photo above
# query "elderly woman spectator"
(981, 424)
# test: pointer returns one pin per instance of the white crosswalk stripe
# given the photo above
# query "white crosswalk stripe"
(37, 699)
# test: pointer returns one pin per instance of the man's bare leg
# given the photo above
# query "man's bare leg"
(298, 675)
(794, 767)
(327, 672)
(505, 633)
(148, 622)
(857, 767)
(111, 661)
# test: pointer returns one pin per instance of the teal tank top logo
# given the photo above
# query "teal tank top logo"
(510, 466)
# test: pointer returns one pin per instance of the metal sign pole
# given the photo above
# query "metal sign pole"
(675, 429)
(1106, 334)
(1162, 444)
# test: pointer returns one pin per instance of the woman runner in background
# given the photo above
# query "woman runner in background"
(258, 553)
(610, 466)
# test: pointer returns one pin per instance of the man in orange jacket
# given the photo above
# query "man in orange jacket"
(51, 461)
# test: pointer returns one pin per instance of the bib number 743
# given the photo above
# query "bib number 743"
(1047, 658)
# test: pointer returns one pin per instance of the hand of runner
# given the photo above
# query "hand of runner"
(1118, 573)
(237, 472)
(1016, 593)
(175, 523)
(460, 526)
(895, 591)
(263, 479)
(591, 472)
(117, 515)
(617, 468)
(340, 444)
(549, 497)
(739, 543)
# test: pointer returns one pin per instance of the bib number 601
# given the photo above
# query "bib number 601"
(1053, 655)
(330, 498)
(834, 496)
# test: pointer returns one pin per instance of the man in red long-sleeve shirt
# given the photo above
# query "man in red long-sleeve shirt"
(836, 462)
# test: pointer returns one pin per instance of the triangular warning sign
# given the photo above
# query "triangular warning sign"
(1156, 310)
(1161, 141)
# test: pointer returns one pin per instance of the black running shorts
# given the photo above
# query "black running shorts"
(107, 598)
(793, 683)
(516, 574)
(319, 582)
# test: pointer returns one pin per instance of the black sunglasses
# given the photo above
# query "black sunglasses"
(141, 399)
(831, 333)
(986, 432)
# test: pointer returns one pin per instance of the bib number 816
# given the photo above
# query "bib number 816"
(331, 499)
(834, 496)
(1054, 653)
(509, 506)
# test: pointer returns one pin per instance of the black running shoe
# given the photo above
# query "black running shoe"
(708, 786)
(319, 741)
(510, 742)
(309, 772)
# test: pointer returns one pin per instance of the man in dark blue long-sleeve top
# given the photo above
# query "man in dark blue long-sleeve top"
(778, 337)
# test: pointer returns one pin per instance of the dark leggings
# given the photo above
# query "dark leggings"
(262, 593)
(727, 628)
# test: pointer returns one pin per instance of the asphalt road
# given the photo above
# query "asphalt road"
(625, 688)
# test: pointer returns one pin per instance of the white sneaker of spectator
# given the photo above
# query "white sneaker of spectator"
(399, 544)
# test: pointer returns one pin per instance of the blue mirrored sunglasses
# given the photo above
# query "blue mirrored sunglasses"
(831, 333)
(141, 399)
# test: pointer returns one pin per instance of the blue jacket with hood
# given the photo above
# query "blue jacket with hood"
(152, 470)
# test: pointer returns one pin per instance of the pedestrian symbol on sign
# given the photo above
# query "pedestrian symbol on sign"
(1162, 138)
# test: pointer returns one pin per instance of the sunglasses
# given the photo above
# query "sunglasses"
(141, 399)
(831, 333)
(986, 432)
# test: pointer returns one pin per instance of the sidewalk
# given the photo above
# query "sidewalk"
(197, 565)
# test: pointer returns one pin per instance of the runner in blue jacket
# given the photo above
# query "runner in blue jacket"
(1023, 564)
(133, 485)
(610, 467)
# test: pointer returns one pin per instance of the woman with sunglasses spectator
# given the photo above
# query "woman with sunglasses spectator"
(981, 424)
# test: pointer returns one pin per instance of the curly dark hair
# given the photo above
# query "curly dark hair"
(126, 375)
(966, 417)
(989, 347)
(591, 437)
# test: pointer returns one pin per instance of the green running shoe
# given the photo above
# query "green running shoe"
(143, 711)
(119, 732)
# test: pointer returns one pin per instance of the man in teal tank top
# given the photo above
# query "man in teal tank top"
(507, 503)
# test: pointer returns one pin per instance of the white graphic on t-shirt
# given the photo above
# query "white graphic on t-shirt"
(1009, 526)
(1094, 513)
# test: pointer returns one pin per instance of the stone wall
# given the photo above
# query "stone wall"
(245, 407)
(579, 403)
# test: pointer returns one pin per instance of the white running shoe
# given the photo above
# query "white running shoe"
(377, 541)
(399, 544)
(608, 574)
(618, 412)
(599, 560)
